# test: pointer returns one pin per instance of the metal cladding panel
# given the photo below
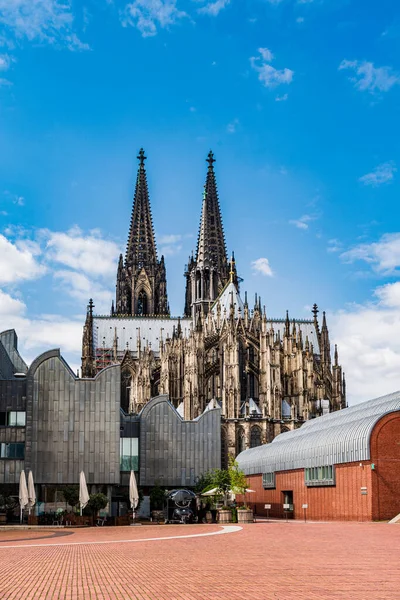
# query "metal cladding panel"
(72, 424)
(9, 340)
(335, 438)
(174, 452)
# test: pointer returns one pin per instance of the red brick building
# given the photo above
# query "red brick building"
(341, 466)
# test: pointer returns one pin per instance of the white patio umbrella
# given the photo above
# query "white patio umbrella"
(23, 493)
(216, 492)
(83, 491)
(133, 493)
(31, 492)
(213, 492)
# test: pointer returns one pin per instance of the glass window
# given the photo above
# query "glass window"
(21, 419)
(12, 451)
(12, 419)
(16, 419)
(268, 480)
(255, 437)
(129, 454)
(3, 418)
(323, 475)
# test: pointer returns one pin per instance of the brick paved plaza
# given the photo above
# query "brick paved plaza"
(265, 560)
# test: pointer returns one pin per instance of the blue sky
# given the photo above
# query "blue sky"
(299, 101)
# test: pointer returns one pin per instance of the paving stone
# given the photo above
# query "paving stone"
(268, 560)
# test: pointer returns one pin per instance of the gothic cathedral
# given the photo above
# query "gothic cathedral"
(268, 376)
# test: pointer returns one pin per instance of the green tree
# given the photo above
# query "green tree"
(157, 496)
(205, 482)
(97, 502)
(237, 477)
(71, 495)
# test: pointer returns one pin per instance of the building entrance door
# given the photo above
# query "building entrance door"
(287, 501)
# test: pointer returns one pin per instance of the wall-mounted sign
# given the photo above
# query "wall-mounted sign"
(305, 505)
(267, 506)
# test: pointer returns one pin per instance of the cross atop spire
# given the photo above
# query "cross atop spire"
(141, 157)
(210, 159)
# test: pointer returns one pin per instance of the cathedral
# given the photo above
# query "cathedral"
(267, 375)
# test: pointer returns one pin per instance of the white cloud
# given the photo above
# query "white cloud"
(282, 98)
(18, 262)
(87, 253)
(266, 54)
(267, 74)
(15, 198)
(214, 8)
(171, 244)
(148, 15)
(369, 78)
(81, 287)
(383, 173)
(43, 20)
(10, 306)
(368, 338)
(262, 266)
(232, 126)
(383, 256)
(303, 222)
(5, 62)
(334, 245)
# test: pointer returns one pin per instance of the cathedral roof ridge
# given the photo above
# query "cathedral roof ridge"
(283, 320)
(143, 317)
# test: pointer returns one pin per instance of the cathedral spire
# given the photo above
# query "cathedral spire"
(141, 279)
(141, 247)
(211, 241)
(209, 273)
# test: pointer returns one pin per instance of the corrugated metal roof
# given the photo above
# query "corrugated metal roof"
(129, 329)
(307, 328)
(339, 437)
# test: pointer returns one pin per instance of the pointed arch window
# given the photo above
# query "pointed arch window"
(126, 387)
(241, 441)
(255, 437)
(142, 304)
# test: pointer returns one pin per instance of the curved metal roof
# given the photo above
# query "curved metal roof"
(335, 438)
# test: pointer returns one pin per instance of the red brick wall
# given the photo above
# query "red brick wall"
(343, 502)
(385, 454)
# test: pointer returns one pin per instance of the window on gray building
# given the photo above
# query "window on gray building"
(16, 419)
(16, 451)
(129, 454)
(12, 418)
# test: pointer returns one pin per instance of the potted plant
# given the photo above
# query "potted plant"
(245, 514)
(157, 497)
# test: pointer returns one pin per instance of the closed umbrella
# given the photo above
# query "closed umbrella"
(23, 493)
(133, 493)
(83, 491)
(31, 492)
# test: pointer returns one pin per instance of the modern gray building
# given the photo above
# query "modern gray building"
(56, 425)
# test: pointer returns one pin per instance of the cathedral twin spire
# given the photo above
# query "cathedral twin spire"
(208, 273)
(141, 278)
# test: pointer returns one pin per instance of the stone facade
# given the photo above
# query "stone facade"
(267, 375)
